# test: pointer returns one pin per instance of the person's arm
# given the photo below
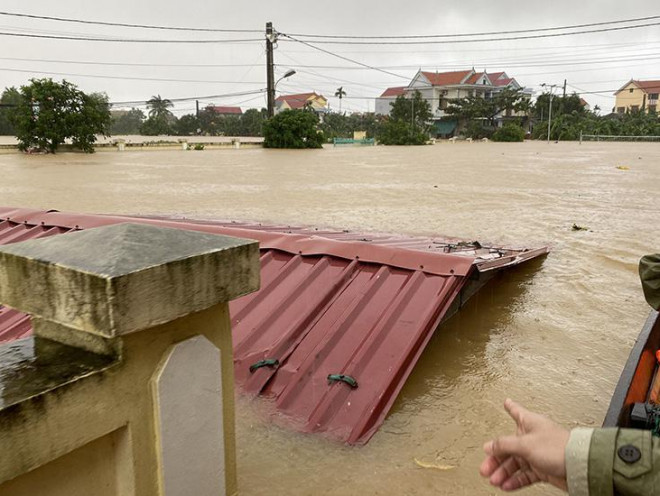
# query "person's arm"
(584, 462)
(625, 462)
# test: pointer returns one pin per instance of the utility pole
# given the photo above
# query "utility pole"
(552, 87)
(271, 38)
(564, 88)
(197, 108)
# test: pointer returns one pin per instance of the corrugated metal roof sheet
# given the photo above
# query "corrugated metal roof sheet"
(339, 322)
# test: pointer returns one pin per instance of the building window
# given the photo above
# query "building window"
(631, 90)
(653, 96)
(621, 110)
(470, 93)
(634, 108)
(652, 108)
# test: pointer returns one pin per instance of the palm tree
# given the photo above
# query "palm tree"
(158, 107)
(341, 94)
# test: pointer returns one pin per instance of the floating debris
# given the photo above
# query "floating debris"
(434, 466)
(579, 228)
(623, 167)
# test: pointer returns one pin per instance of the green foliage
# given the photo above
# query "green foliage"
(126, 122)
(509, 132)
(49, 112)
(252, 122)
(292, 129)
(566, 126)
(408, 123)
(10, 98)
(155, 126)
(187, 125)
(198, 146)
(476, 130)
(159, 107)
(487, 109)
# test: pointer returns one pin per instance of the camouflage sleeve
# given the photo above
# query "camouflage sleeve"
(649, 273)
(623, 462)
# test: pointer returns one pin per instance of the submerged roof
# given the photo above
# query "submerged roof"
(339, 322)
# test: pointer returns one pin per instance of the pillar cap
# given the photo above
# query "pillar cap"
(123, 278)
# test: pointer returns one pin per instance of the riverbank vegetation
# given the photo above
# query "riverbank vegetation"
(44, 113)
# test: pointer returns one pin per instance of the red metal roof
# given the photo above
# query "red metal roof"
(394, 92)
(225, 110)
(331, 303)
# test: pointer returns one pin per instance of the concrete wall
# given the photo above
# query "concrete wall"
(123, 410)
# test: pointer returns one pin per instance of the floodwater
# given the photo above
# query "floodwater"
(553, 335)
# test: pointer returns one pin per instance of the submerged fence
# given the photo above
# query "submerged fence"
(612, 137)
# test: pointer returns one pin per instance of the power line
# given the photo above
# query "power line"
(185, 99)
(458, 35)
(127, 25)
(438, 42)
(124, 40)
(129, 78)
(126, 64)
(342, 57)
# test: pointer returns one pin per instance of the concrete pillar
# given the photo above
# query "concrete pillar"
(236, 143)
(184, 144)
(126, 388)
(121, 145)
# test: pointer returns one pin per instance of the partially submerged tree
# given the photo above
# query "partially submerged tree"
(49, 113)
(478, 112)
(408, 123)
(126, 121)
(293, 129)
(9, 100)
(160, 119)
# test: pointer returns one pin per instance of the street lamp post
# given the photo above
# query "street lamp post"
(287, 74)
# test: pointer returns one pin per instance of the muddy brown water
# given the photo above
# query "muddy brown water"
(553, 335)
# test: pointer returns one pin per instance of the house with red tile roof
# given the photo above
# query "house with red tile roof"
(316, 102)
(440, 88)
(220, 110)
(637, 95)
(385, 100)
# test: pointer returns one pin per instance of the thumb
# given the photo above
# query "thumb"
(506, 446)
(516, 412)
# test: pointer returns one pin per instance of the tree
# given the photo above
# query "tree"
(159, 107)
(509, 132)
(8, 102)
(160, 119)
(252, 122)
(341, 94)
(187, 125)
(292, 129)
(126, 122)
(49, 113)
(408, 123)
(480, 113)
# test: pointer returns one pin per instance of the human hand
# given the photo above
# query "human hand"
(535, 454)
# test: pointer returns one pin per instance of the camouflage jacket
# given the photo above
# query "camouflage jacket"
(608, 462)
(649, 273)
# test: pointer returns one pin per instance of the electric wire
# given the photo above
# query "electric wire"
(127, 25)
(480, 40)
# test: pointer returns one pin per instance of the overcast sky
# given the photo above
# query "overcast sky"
(589, 62)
